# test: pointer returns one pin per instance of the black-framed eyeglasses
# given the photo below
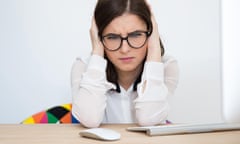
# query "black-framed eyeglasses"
(136, 39)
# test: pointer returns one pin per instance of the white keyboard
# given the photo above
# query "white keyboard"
(186, 128)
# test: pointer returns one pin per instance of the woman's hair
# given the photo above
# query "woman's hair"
(106, 11)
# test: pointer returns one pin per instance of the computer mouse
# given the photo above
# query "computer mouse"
(101, 134)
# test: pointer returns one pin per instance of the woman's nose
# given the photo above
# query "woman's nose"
(125, 47)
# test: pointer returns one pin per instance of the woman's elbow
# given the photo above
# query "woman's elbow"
(87, 119)
(91, 123)
(148, 119)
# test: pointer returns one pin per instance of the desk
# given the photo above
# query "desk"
(68, 134)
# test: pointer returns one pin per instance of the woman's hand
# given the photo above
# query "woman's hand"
(97, 46)
(154, 48)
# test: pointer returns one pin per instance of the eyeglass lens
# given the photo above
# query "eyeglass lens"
(135, 40)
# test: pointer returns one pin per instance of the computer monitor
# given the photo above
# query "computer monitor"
(231, 60)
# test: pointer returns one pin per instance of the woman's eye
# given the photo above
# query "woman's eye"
(135, 34)
(112, 37)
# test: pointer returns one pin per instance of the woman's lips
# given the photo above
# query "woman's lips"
(126, 59)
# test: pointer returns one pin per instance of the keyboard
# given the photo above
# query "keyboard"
(185, 128)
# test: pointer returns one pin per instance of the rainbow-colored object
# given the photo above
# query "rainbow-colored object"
(57, 115)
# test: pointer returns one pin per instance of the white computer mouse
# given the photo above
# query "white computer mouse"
(101, 134)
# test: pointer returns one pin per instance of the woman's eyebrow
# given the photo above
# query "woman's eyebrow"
(136, 31)
(109, 34)
(118, 34)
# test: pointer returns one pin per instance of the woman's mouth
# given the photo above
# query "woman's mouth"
(126, 59)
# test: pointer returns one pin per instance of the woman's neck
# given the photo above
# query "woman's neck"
(126, 79)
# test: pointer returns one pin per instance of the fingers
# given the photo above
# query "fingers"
(93, 29)
(152, 16)
(154, 50)
(97, 47)
(149, 6)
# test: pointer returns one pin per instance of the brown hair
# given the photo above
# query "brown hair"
(106, 11)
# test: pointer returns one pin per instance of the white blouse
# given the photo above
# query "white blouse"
(94, 102)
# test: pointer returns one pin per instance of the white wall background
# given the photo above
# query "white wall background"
(40, 39)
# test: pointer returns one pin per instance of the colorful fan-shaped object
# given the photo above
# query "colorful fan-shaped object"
(57, 114)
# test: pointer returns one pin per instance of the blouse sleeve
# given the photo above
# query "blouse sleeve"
(89, 86)
(159, 81)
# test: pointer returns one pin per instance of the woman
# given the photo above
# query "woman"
(127, 79)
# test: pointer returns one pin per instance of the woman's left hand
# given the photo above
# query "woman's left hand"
(154, 48)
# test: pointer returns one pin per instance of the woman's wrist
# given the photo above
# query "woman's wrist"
(154, 54)
(98, 51)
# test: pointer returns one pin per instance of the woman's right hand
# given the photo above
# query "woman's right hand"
(97, 46)
(154, 47)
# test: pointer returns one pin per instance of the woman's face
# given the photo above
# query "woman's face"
(126, 58)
